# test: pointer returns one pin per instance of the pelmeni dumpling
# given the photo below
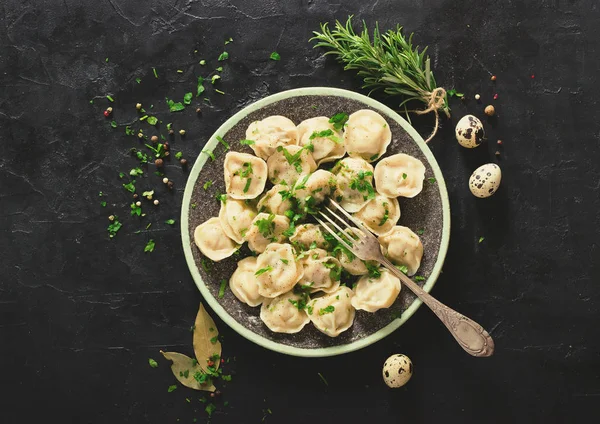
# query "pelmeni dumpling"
(351, 264)
(313, 253)
(236, 218)
(326, 140)
(269, 133)
(314, 188)
(212, 240)
(277, 271)
(276, 200)
(333, 313)
(280, 315)
(321, 274)
(372, 294)
(399, 175)
(354, 183)
(367, 135)
(243, 282)
(245, 175)
(266, 228)
(403, 247)
(380, 214)
(287, 164)
(308, 236)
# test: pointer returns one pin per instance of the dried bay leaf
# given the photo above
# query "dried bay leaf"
(185, 368)
(206, 342)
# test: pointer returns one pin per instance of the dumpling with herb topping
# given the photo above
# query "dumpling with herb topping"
(212, 240)
(403, 247)
(266, 228)
(308, 236)
(333, 313)
(245, 175)
(367, 135)
(236, 218)
(320, 273)
(287, 164)
(284, 313)
(399, 175)
(311, 190)
(243, 283)
(277, 271)
(270, 133)
(375, 292)
(326, 140)
(276, 201)
(380, 214)
(354, 183)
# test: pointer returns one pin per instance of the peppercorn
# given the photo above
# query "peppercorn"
(106, 113)
(198, 110)
(156, 202)
(135, 195)
(167, 153)
(138, 106)
(496, 96)
(490, 110)
(183, 162)
(493, 78)
(154, 139)
(499, 142)
(138, 203)
(109, 109)
(140, 135)
(149, 197)
(477, 97)
(497, 153)
(182, 132)
(165, 180)
(111, 218)
(218, 393)
(211, 363)
(166, 145)
(171, 132)
(170, 185)
(159, 163)
(212, 395)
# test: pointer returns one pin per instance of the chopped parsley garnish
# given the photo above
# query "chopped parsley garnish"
(404, 176)
(338, 120)
(247, 142)
(263, 270)
(202, 62)
(294, 159)
(210, 408)
(374, 157)
(481, 239)
(113, 124)
(187, 98)
(170, 221)
(210, 154)
(266, 226)
(219, 69)
(175, 106)
(103, 203)
(152, 120)
(359, 183)
(247, 186)
(223, 56)
(152, 363)
(419, 278)
(223, 142)
(214, 339)
(148, 193)
(214, 79)
(431, 180)
(285, 261)
(155, 73)
(222, 289)
(135, 209)
(114, 227)
(373, 270)
(172, 388)
(200, 86)
(420, 231)
(452, 92)
(136, 172)
(323, 379)
(325, 134)
(130, 186)
(110, 98)
(219, 91)
(221, 197)
(178, 155)
(138, 80)
(275, 56)
(327, 310)
(149, 246)
(402, 268)
(335, 270)
(386, 214)
(207, 185)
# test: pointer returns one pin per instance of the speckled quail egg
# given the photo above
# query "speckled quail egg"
(397, 370)
(485, 180)
(469, 131)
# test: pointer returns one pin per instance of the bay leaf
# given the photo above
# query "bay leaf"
(205, 330)
(184, 368)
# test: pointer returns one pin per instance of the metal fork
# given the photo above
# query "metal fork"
(471, 336)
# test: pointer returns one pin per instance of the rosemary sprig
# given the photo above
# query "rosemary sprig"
(388, 62)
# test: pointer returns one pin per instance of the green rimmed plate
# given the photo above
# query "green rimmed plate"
(429, 212)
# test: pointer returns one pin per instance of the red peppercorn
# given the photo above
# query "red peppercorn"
(106, 113)
(493, 78)
(532, 76)
(499, 142)
(211, 363)
(222, 360)
(495, 96)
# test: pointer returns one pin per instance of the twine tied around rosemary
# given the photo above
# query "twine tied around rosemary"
(437, 100)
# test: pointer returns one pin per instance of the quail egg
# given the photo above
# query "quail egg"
(397, 370)
(469, 131)
(485, 180)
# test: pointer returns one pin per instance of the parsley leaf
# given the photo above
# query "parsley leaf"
(187, 98)
(200, 87)
(149, 246)
(263, 270)
(402, 268)
(135, 209)
(386, 214)
(113, 124)
(328, 133)
(266, 226)
(223, 56)
(373, 270)
(420, 231)
(452, 92)
(172, 388)
(152, 363)
(247, 186)
(170, 221)
(114, 227)
(338, 120)
(247, 142)
(210, 408)
(136, 172)
(178, 155)
(275, 56)
(327, 310)
(223, 142)
(214, 79)
(222, 289)
(207, 185)
(431, 180)
(175, 107)
(130, 187)
(152, 120)
(481, 239)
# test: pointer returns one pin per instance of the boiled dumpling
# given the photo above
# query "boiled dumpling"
(312, 189)
(277, 271)
(243, 282)
(270, 133)
(354, 183)
(403, 247)
(282, 316)
(326, 140)
(399, 175)
(287, 164)
(236, 218)
(276, 200)
(212, 240)
(374, 293)
(266, 228)
(380, 214)
(333, 313)
(320, 273)
(308, 236)
(367, 135)
(245, 175)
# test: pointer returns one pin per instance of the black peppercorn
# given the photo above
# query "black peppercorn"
(166, 145)
(159, 163)
(171, 132)
(183, 162)
(170, 185)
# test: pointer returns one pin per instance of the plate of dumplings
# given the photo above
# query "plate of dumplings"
(258, 256)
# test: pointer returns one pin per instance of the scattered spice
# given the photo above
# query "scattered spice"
(189, 372)
(198, 110)
(275, 56)
(165, 180)
(499, 142)
(495, 96)
(481, 239)
(170, 185)
(493, 77)
(152, 363)
(490, 110)
(497, 153)
(182, 132)
(156, 202)
(159, 163)
(183, 162)
(114, 227)
(149, 246)
(477, 97)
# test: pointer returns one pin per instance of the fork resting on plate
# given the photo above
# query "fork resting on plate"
(471, 336)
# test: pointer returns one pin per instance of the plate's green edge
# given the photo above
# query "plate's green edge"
(216, 306)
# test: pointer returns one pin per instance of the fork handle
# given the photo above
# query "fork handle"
(471, 336)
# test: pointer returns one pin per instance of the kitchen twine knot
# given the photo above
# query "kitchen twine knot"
(437, 99)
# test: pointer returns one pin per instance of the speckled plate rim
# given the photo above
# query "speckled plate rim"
(216, 306)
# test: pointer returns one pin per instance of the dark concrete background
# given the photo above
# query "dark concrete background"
(80, 315)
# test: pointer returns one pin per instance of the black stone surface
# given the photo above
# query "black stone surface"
(80, 315)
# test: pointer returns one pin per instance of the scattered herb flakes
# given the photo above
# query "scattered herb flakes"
(155, 73)
(172, 388)
(419, 278)
(229, 41)
(178, 155)
(187, 98)
(404, 176)
(223, 56)
(226, 377)
(223, 142)
(113, 124)
(169, 126)
(194, 206)
(226, 403)
(136, 172)
(207, 185)
(219, 91)
(323, 379)
(175, 106)
(180, 71)
(121, 175)
(327, 310)
(219, 69)
(143, 118)
(149, 225)
(129, 131)
(152, 363)
(110, 99)
(170, 221)
(275, 56)
(209, 153)
(202, 62)
(152, 120)
(222, 288)
(402, 268)
(339, 120)
(130, 186)
(453, 93)
(200, 86)
(481, 239)
(149, 246)
(103, 203)
(138, 80)
(420, 231)
(185, 369)
(204, 347)
(431, 180)
(263, 270)
(148, 193)
(214, 78)
(135, 209)
(247, 142)
(210, 408)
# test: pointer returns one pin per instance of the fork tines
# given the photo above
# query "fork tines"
(328, 207)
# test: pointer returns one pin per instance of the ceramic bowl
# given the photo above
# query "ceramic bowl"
(429, 212)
